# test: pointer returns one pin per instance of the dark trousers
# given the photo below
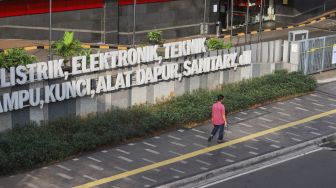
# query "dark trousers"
(221, 131)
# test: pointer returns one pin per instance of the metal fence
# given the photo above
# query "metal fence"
(316, 54)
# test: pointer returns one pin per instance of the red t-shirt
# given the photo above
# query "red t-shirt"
(218, 111)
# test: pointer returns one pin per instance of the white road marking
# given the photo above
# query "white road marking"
(30, 185)
(266, 126)
(284, 120)
(251, 147)
(284, 114)
(246, 125)
(174, 137)
(149, 179)
(33, 177)
(265, 119)
(259, 113)
(255, 140)
(152, 151)
(331, 123)
(148, 144)
(176, 170)
(277, 108)
(298, 99)
(123, 151)
(272, 140)
(287, 132)
(244, 113)
(199, 131)
(318, 134)
(147, 160)
(104, 151)
(96, 167)
(295, 139)
(179, 154)
(263, 108)
(94, 159)
(75, 159)
(330, 99)
(310, 99)
(302, 109)
(275, 146)
(228, 154)
(258, 169)
(119, 168)
(180, 130)
(245, 132)
(178, 144)
(229, 160)
(238, 118)
(203, 162)
(156, 137)
(308, 127)
(317, 104)
(253, 153)
(199, 145)
(204, 169)
(330, 126)
(64, 176)
(297, 104)
(89, 177)
(63, 167)
(131, 144)
(201, 137)
(125, 159)
(319, 110)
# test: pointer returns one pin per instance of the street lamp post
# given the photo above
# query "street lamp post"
(261, 19)
(204, 17)
(231, 19)
(134, 21)
(247, 17)
(50, 12)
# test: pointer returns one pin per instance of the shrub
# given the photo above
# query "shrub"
(154, 37)
(67, 47)
(217, 44)
(30, 146)
(15, 57)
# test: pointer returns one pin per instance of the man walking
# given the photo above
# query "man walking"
(218, 119)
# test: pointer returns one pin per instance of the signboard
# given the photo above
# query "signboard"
(334, 55)
(124, 64)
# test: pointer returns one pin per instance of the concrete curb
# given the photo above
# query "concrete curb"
(324, 81)
(197, 180)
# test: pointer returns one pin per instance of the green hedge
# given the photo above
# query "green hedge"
(32, 146)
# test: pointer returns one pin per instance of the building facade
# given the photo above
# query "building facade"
(113, 21)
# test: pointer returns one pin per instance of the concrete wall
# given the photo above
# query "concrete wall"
(266, 57)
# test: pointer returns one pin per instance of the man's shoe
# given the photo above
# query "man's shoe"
(210, 138)
(220, 141)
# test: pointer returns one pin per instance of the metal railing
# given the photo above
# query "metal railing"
(317, 54)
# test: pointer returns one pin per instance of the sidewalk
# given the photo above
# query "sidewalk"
(184, 153)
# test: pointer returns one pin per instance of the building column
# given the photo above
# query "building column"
(270, 10)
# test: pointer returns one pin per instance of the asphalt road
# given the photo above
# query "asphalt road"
(315, 170)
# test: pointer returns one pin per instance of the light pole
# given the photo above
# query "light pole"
(204, 16)
(50, 12)
(247, 17)
(260, 19)
(231, 19)
(134, 6)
